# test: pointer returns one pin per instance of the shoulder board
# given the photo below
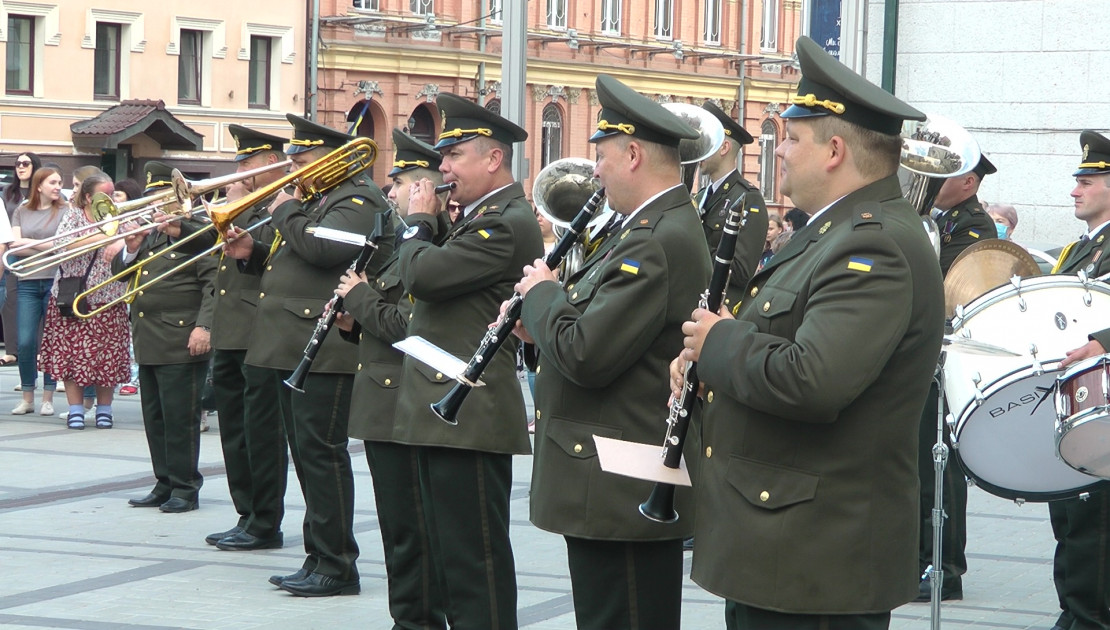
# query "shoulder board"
(868, 215)
(642, 222)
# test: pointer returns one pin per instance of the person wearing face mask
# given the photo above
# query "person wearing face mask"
(1005, 220)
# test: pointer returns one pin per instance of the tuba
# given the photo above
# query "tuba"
(934, 150)
(711, 134)
(560, 191)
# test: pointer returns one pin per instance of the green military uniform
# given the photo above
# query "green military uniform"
(961, 226)
(605, 341)
(251, 435)
(381, 310)
(459, 277)
(1081, 565)
(163, 316)
(297, 282)
(713, 206)
(809, 462)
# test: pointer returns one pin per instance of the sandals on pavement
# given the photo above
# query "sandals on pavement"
(76, 421)
(8, 359)
(104, 421)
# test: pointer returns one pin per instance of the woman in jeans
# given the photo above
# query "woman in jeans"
(36, 218)
(14, 193)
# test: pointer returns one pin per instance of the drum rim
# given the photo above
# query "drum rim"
(1083, 366)
(1074, 421)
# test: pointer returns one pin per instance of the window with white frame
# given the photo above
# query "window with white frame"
(190, 67)
(106, 61)
(21, 57)
(552, 132)
(368, 5)
(421, 7)
(494, 11)
(611, 17)
(664, 19)
(769, 35)
(260, 70)
(711, 22)
(557, 14)
(768, 140)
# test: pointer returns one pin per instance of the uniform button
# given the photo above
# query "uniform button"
(709, 396)
(149, 254)
(538, 368)
(145, 272)
(360, 336)
(261, 295)
(570, 287)
(439, 376)
(173, 255)
(223, 267)
(764, 496)
(766, 306)
(360, 366)
(577, 448)
(140, 293)
(283, 243)
(410, 316)
(708, 452)
(575, 296)
(537, 414)
(223, 292)
(717, 226)
(180, 322)
(269, 267)
(755, 291)
(306, 311)
(388, 381)
(141, 314)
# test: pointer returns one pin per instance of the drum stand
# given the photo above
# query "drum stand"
(935, 572)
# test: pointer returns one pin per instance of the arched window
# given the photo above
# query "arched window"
(361, 119)
(768, 140)
(422, 124)
(552, 134)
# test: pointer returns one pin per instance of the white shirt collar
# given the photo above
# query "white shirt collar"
(472, 207)
(1091, 234)
(814, 216)
(650, 199)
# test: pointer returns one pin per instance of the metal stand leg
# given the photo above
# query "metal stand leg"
(935, 572)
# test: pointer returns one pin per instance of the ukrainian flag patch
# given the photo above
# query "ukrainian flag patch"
(358, 200)
(859, 263)
(973, 234)
(484, 233)
(630, 266)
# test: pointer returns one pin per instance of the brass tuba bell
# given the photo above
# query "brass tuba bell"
(560, 191)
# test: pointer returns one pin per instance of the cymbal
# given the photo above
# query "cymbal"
(982, 267)
(971, 346)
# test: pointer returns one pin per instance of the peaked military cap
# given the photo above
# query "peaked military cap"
(624, 110)
(410, 153)
(466, 120)
(308, 135)
(732, 128)
(1096, 154)
(158, 175)
(248, 142)
(830, 88)
(984, 167)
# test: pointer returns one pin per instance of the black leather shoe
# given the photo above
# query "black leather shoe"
(688, 544)
(1064, 622)
(244, 541)
(150, 500)
(318, 585)
(177, 504)
(212, 539)
(301, 574)
(951, 590)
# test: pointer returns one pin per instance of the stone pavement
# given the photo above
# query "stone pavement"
(74, 555)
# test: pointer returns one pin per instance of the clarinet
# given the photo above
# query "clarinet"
(334, 307)
(659, 506)
(448, 407)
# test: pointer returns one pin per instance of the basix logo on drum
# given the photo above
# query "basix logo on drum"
(1024, 399)
(1061, 321)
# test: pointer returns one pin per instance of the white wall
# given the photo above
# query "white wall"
(1023, 76)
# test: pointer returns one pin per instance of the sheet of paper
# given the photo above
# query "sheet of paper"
(333, 234)
(640, 461)
(433, 356)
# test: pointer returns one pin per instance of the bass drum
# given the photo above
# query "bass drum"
(1005, 432)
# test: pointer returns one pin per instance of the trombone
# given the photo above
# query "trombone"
(174, 201)
(313, 180)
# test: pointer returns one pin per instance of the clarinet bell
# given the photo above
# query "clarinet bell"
(659, 506)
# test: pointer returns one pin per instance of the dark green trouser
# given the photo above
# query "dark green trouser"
(415, 596)
(253, 441)
(954, 532)
(1081, 566)
(316, 426)
(741, 617)
(621, 585)
(171, 416)
(466, 502)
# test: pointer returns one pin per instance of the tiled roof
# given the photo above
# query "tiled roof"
(130, 118)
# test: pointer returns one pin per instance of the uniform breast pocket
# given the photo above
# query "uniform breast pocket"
(576, 439)
(773, 307)
(771, 487)
(305, 308)
(582, 291)
(179, 319)
(430, 373)
(386, 375)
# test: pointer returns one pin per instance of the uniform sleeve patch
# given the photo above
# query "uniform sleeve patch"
(858, 263)
(973, 234)
(484, 233)
(359, 200)
(630, 266)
